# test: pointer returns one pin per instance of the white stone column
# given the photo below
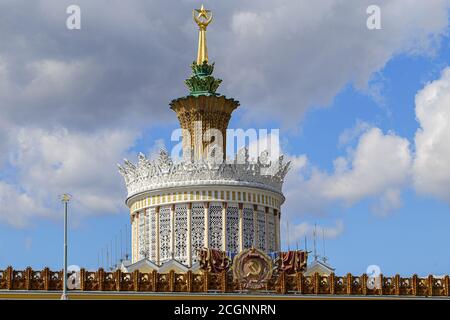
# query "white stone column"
(133, 237)
(189, 234)
(224, 226)
(136, 230)
(172, 231)
(241, 227)
(158, 245)
(148, 230)
(206, 240)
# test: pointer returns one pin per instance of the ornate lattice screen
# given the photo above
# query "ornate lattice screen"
(248, 226)
(261, 238)
(165, 237)
(143, 235)
(270, 225)
(215, 226)
(233, 227)
(181, 229)
(197, 228)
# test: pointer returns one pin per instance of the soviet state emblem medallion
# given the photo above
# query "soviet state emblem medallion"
(252, 269)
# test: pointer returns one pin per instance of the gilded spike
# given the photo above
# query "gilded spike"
(203, 18)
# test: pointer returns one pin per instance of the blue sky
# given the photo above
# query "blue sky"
(409, 237)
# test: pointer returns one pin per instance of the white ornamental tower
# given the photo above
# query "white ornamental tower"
(178, 208)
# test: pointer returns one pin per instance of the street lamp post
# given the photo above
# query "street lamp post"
(65, 198)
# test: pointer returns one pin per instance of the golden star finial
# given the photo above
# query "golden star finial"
(203, 17)
(202, 13)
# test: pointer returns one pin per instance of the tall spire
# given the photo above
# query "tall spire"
(203, 109)
(202, 82)
(203, 18)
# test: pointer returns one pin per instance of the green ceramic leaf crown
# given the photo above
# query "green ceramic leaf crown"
(202, 82)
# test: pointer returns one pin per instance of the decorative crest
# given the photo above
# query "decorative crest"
(252, 269)
(163, 173)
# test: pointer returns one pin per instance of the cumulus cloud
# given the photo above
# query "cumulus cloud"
(380, 160)
(378, 168)
(352, 134)
(381, 165)
(293, 46)
(16, 207)
(130, 58)
(53, 162)
(101, 85)
(294, 235)
(101, 76)
(432, 158)
(305, 229)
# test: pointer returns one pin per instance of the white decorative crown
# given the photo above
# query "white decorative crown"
(161, 173)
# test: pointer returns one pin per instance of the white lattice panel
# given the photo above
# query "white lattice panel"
(143, 249)
(197, 228)
(271, 232)
(181, 229)
(215, 226)
(233, 227)
(165, 237)
(248, 226)
(261, 237)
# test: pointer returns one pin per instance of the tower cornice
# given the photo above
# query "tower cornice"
(163, 173)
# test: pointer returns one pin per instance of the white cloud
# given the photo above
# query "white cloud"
(306, 229)
(432, 159)
(287, 49)
(249, 23)
(380, 161)
(378, 168)
(17, 208)
(382, 165)
(50, 163)
(273, 57)
(350, 135)
(297, 233)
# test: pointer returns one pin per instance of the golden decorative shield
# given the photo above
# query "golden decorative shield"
(252, 269)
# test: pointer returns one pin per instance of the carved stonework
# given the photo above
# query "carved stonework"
(163, 173)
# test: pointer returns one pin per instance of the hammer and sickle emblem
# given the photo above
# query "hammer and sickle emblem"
(254, 268)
